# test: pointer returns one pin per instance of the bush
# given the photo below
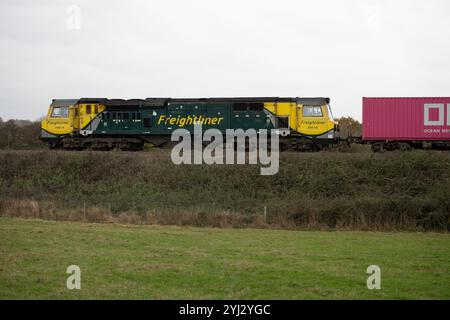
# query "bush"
(20, 134)
(391, 191)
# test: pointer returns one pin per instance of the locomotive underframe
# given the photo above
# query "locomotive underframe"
(136, 143)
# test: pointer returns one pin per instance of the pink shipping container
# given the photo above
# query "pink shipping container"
(406, 119)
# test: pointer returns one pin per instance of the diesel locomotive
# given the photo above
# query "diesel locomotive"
(304, 124)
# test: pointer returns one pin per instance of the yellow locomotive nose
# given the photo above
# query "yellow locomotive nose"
(59, 121)
(310, 117)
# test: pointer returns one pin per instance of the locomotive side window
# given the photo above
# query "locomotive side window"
(257, 106)
(96, 109)
(330, 113)
(133, 116)
(239, 106)
(312, 111)
(60, 112)
(126, 116)
(88, 109)
(138, 116)
(114, 116)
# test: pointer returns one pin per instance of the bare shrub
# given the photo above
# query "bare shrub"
(21, 208)
(96, 214)
(128, 218)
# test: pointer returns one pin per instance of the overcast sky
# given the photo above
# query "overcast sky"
(136, 49)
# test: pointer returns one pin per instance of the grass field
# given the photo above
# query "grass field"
(159, 262)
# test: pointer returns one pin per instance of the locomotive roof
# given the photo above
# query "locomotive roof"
(154, 102)
(64, 102)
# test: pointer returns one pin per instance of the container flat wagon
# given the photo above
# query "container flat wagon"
(406, 123)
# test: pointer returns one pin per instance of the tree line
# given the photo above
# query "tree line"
(20, 134)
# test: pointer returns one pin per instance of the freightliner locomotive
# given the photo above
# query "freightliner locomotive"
(304, 124)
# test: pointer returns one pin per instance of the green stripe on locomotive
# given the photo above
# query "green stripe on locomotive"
(164, 120)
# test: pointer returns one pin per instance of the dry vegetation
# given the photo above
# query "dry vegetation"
(20, 134)
(329, 190)
(349, 127)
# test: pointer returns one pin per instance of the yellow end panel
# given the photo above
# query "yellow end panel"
(315, 125)
(59, 125)
(284, 109)
(76, 118)
(270, 106)
(87, 112)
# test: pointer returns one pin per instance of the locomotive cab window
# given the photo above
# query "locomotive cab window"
(330, 113)
(88, 109)
(60, 112)
(312, 111)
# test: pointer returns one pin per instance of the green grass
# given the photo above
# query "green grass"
(155, 262)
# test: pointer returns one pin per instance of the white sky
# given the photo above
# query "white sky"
(343, 49)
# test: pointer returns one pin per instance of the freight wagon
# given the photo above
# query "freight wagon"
(406, 123)
(304, 124)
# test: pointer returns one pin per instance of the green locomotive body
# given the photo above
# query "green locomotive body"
(104, 124)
